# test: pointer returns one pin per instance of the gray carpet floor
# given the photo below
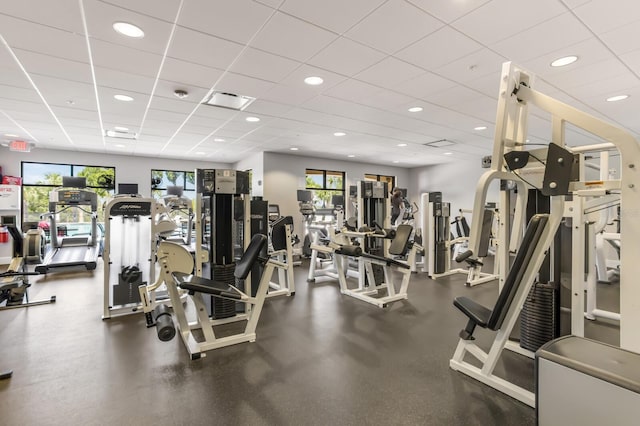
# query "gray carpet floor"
(320, 358)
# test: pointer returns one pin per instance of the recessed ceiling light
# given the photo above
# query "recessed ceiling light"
(200, 152)
(350, 155)
(252, 119)
(617, 98)
(448, 153)
(123, 98)
(480, 128)
(313, 81)
(402, 144)
(4, 144)
(121, 129)
(218, 140)
(11, 135)
(415, 109)
(561, 62)
(119, 145)
(128, 30)
(293, 148)
(395, 161)
(339, 134)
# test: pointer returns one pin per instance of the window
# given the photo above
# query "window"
(324, 184)
(391, 180)
(39, 179)
(162, 179)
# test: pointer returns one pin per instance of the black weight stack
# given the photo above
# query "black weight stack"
(540, 317)
(223, 308)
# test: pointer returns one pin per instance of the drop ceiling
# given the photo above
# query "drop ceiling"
(61, 63)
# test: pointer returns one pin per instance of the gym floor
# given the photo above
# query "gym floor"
(320, 358)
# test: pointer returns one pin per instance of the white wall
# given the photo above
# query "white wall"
(256, 164)
(285, 174)
(457, 181)
(129, 169)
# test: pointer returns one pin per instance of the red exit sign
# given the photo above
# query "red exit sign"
(20, 146)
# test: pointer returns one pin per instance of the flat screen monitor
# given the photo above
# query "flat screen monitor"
(305, 196)
(175, 190)
(128, 188)
(74, 182)
(404, 192)
(337, 200)
(274, 209)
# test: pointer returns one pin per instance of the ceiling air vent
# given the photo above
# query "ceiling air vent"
(439, 143)
(120, 135)
(228, 100)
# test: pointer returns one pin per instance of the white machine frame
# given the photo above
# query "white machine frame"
(284, 265)
(511, 133)
(174, 257)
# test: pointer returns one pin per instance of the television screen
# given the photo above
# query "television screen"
(175, 190)
(74, 182)
(305, 196)
(128, 188)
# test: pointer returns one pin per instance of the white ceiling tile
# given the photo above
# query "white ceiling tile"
(18, 93)
(476, 24)
(438, 49)
(292, 38)
(203, 49)
(165, 10)
(165, 89)
(589, 52)
(488, 85)
(267, 108)
(471, 67)
(424, 85)
(263, 65)
(125, 59)
(64, 69)
(346, 57)
(352, 90)
(454, 96)
(288, 95)
(189, 73)
(101, 16)
(589, 74)
(43, 39)
(127, 83)
(242, 85)
(238, 20)
(389, 72)
(389, 100)
(602, 16)
(407, 21)
(623, 39)
(562, 31)
(448, 10)
(324, 13)
(297, 77)
(62, 14)
(483, 108)
(66, 93)
(572, 4)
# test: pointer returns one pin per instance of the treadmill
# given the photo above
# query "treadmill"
(72, 251)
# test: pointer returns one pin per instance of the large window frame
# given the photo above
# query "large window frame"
(40, 178)
(324, 184)
(184, 178)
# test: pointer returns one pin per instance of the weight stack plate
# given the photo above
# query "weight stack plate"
(223, 308)
(539, 317)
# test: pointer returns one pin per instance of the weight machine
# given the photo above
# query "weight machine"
(553, 170)
(180, 210)
(133, 226)
(14, 282)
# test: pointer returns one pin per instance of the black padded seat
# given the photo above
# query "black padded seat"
(472, 309)
(400, 243)
(477, 313)
(196, 284)
(279, 232)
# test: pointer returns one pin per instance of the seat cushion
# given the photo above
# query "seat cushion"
(203, 285)
(475, 311)
(387, 260)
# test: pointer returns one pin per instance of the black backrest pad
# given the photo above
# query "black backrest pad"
(279, 232)
(485, 233)
(514, 279)
(244, 265)
(465, 227)
(401, 241)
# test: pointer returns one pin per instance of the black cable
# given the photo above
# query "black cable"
(524, 180)
(601, 208)
(539, 160)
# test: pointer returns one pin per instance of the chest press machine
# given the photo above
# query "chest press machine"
(558, 180)
(176, 272)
